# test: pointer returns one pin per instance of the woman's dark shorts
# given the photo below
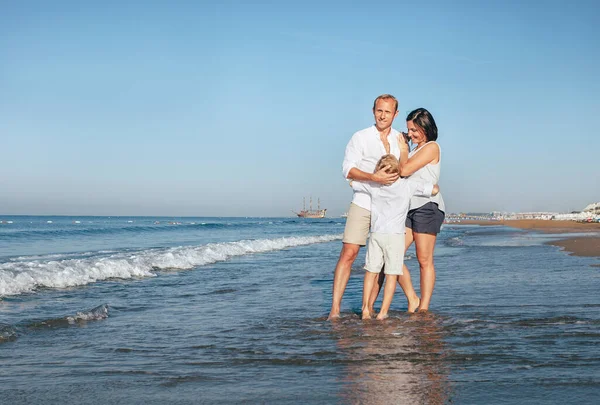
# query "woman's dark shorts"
(426, 219)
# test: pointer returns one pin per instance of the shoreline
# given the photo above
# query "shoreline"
(585, 246)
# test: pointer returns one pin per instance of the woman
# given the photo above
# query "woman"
(425, 215)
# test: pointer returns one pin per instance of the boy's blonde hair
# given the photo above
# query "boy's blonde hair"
(388, 160)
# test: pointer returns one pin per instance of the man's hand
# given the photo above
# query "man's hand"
(436, 190)
(382, 177)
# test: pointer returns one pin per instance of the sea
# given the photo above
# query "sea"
(166, 310)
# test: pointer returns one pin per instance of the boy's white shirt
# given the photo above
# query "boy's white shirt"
(389, 204)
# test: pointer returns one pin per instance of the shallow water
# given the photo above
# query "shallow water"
(233, 311)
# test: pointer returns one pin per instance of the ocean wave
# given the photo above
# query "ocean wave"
(9, 332)
(94, 314)
(164, 227)
(18, 277)
(455, 241)
(58, 256)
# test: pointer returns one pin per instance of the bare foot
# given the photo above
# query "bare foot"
(366, 314)
(381, 316)
(333, 315)
(413, 304)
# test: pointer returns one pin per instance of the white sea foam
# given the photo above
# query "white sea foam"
(100, 312)
(17, 277)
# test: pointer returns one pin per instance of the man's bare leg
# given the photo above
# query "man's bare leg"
(425, 244)
(404, 279)
(341, 277)
(388, 296)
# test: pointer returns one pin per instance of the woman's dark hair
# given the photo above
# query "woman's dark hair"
(423, 118)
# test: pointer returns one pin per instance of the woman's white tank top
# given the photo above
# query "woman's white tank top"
(430, 173)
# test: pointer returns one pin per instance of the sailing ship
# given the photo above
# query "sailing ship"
(310, 213)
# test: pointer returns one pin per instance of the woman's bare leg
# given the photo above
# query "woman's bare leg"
(404, 279)
(425, 244)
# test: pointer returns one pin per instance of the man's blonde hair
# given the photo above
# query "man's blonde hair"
(386, 97)
(388, 160)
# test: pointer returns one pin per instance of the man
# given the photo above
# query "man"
(362, 153)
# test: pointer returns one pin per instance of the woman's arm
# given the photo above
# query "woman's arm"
(421, 189)
(426, 155)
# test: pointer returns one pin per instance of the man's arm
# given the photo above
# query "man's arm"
(380, 177)
(360, 186)
(352, 156)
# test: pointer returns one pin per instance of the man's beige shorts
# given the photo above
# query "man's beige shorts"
(358, 223)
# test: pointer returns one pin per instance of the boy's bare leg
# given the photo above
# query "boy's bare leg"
(388, 295)
(367, 288)
(376, 288)
(404, 279)
(341, 277)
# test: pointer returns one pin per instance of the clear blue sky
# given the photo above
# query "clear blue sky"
(199, 108)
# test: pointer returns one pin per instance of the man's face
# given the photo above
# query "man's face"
(384, 113)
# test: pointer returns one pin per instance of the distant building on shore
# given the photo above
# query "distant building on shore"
(534, 215)
(471, 216)
(594, 208)
(590, 213)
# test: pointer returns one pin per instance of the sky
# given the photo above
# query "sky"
(243, 108)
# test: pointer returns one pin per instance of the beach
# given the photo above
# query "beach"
(581, 245)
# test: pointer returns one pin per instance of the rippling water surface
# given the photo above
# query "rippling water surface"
(98, 310)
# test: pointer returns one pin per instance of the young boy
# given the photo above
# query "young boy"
(389, 206)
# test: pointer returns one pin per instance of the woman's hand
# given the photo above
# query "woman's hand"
(403, 141)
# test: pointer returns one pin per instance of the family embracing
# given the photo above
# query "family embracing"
(397, 201)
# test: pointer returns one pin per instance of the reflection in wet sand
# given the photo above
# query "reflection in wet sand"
(397, 361)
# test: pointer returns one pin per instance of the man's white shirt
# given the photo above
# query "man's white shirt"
(363, 151)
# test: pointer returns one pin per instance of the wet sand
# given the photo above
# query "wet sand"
(578, 246)
(586, 246)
